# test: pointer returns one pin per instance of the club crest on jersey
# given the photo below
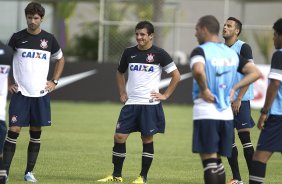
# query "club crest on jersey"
(44, 44)
(150, 58)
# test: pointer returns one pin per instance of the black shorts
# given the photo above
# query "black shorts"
(213, 136)
(244, 119)
(147, 119)
(270, 138)
(29, 111)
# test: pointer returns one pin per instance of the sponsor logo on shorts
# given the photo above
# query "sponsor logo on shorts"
(14, 119)
(118, 125)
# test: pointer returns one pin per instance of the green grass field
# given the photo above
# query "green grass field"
(77, 148)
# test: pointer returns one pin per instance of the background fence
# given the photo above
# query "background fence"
(98, 30)
(175, 24)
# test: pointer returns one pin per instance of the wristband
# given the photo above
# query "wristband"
(263, 111)
(55, 81)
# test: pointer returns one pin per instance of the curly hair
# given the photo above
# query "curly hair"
(34, 8)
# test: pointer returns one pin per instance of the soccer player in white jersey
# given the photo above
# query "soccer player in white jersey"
(30, 102)
(143, 110)
(243, 120)
(214, 67)
(270, 120)
(5, 66)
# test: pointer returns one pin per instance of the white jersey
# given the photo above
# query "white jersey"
(5, 61)
(4, 71)
(144, 72)
(31, 61)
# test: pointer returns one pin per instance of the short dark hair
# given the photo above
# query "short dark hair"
(147, 25)
(210, 22)
(34, 8)
(238, 24)
(277, 26)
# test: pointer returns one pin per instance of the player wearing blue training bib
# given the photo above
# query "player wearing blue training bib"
(270, 121)
(243, 120)
(214, 67)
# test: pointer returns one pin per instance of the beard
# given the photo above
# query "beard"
(33, 27)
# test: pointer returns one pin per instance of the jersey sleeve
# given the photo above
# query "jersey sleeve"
(197, 55)
(167, 62)
(276, 66)
(56, 51)
(123, 64)
(166, 59)
(242, 63)
(12, 42)
(246, 52)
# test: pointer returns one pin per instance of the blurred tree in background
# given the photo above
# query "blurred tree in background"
(85, 45)
(65, 10)
(117, 37)
(265, 44)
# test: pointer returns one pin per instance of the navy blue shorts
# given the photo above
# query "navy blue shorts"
(270, 138)
(244, 119)
(147, 119)
(3, 132)
(29, 111)
(213, 136)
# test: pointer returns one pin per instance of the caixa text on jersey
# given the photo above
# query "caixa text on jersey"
(145, 68)
(35, 55)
